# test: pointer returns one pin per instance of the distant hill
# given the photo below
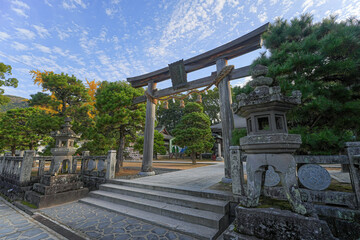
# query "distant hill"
(15, 102)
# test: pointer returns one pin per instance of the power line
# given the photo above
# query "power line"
(16, 60)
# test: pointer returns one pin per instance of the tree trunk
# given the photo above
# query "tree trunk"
(13, 149)
(193, 158)
(200, 156)
(63, 107)
(120, 152)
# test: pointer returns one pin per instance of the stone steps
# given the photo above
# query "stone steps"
(209, 194)
(216, 206)
(194, 213)
(194, 230)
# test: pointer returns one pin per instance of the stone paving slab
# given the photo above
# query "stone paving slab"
(97, 223)
(14, 224)
(197, 178)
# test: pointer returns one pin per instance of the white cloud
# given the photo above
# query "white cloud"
(63, 35)
(20, 12)
(262, 17)
(192, 21)
(20, 4)
(19, 46)
(320, 2)
(273, 2)
(219, 7)
(253, 9)
(47, 2)
(109, 11)
(241, 82)
(25, 33)
(72, 4)
(307, 4)
(42, 32)
(19, 8)
(60, 51)
(42, 48)
(4, 36)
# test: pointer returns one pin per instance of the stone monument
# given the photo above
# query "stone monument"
(57, 187)
(64, 149)
(268, 143)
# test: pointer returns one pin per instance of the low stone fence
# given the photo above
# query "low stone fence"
(313, 177)
(95, 170)
(41, 165)
(20, 173)
(17, 170)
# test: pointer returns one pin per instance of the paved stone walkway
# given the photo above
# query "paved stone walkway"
(98, 223)
(197, 178)
(14, 224)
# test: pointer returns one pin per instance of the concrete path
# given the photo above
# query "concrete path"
(96, 223)
(197, 178)
(15, 224)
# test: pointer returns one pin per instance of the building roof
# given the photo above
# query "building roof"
(239, 122)
(164, 132)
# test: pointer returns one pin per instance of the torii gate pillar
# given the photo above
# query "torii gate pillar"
(146, 168)
(227, 118)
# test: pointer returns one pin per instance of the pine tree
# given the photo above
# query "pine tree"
(194, 131)
(117, 116)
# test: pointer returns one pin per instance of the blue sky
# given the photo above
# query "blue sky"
(115, 39)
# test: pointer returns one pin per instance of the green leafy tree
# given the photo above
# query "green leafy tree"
(169, 117)
(66, 92)
(5, 70)
(159, 146)
(236, 135)
(26, 128)
(98, 143)
(117, 116)
(322, 61)
(194, 131)
(210, 101)
(68, 97)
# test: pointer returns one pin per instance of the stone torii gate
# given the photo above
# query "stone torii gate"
(218, 56)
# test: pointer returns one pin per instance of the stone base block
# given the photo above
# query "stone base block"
(42, 201)
(56, 188)
(230, 234)
(49, 180)
(269, 223)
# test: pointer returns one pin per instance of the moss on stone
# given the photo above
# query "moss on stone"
(30, 205)
(266, 202)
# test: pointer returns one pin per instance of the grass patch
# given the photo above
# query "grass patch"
(339, 187)
(266, 202)
(30, 205)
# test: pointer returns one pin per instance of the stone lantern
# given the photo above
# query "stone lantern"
(64, 149)
(268, 142)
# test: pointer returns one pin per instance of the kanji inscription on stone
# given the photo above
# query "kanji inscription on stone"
(314, 177)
